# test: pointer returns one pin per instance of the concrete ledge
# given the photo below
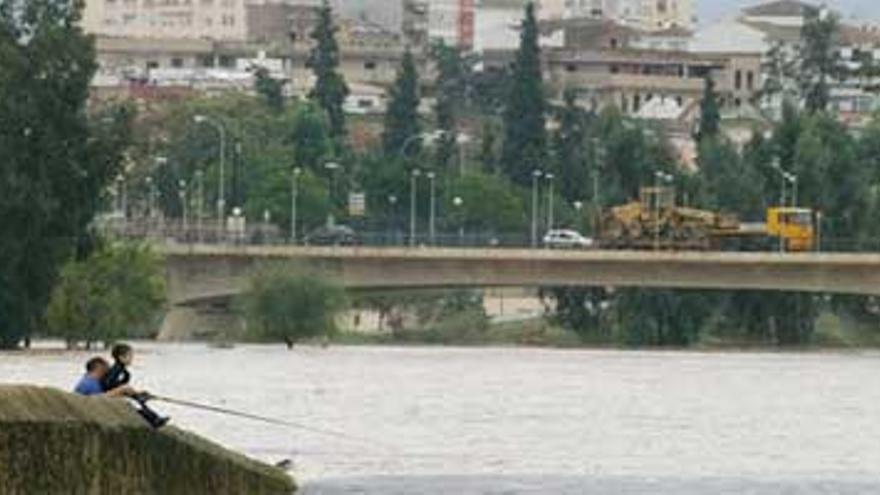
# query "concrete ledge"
(52, 442)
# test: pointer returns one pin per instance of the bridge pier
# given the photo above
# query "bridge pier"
(205, 322)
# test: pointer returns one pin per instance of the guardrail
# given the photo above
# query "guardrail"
(270, 235)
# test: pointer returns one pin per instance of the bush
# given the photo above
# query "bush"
(291, 304)
(111, 295)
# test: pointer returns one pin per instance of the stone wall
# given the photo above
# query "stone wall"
(52, 442)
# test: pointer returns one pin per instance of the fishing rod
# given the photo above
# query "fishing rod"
(263, 419)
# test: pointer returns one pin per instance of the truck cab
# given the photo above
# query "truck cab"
(793, 226)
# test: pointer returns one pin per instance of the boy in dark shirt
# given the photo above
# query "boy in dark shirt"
(118, 377)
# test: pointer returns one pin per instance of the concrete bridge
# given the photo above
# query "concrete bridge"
(201, 277)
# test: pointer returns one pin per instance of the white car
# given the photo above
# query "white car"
(567, 239)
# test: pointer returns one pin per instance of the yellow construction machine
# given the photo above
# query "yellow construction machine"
(656, 222)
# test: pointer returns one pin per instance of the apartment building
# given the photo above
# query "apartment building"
(647, 15)
(162, 19)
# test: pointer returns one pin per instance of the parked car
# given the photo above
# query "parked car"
(334, 235)
(565, 238)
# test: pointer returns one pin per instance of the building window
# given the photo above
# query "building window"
(370, 65)
(750, 80)
(570, 68)
(738, 80)
(613, 43)
(227, 61)
(177, 63)
(206, 61)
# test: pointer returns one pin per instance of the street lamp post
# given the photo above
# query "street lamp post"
(783, 176)
(536, 174)
(161, 161)
(794, 189)
(550, 219)
(294, 192)
(123, 199)
(151, 202)
(432, 215)
(392, 202)
(658, 176)
(331, 168)
(200, 203)
(221, 186)
(598, 157)
(458, 202)
(578, 207)
(412, 206)
(183, 200)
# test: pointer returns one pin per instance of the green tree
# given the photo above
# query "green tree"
(710, 112)
(780, 77)
(571, 151)
(488, 148)
(271, 89)
(290, 304)
(452, 83)
(663, 317)
(311, 140)
(330, 89)
(727, 183)
(115, 293)
(402, 116)
(525, 136)
(57, 161)
(489, 204)
(819, 59)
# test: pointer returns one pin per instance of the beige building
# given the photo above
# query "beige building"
(191, 19)
(640, 14)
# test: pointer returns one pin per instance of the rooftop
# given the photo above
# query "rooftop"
(780, 8)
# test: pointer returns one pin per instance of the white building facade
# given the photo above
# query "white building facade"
(202, 19)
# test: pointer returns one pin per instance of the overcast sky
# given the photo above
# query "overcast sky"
(859, 9)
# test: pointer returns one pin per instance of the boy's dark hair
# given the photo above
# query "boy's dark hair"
(120, 350)
(95, 363)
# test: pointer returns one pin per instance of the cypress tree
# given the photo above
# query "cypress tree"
(710, 114)
(402, 115)
(525, 135)
(570, 150)
(450, 94)
(330, 88)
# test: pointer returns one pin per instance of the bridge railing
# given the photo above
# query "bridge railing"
(174, 231)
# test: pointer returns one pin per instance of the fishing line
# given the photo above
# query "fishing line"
(273, 421)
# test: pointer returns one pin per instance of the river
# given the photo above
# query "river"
(523, 421)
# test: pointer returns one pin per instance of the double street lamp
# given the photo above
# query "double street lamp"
(785, 178)
(221, 187)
